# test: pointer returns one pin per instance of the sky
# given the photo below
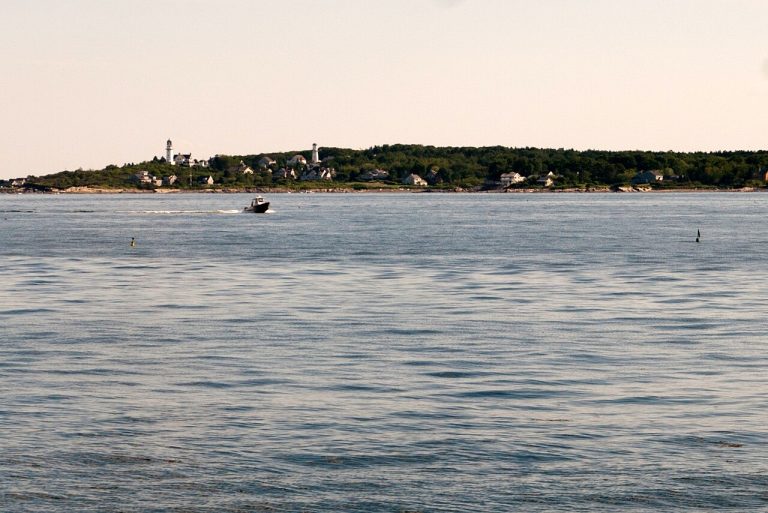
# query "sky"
(87, 83)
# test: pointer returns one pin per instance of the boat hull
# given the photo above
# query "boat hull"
(257, 209)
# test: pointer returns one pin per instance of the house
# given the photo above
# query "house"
(297, 160)
(243, 169)
(547, 180)
(206, 180)
(414, 179)
(285, 173)
(143, 177)
(170, 180)
(508, 179)
(265, 162)
(374, 174)
(433, 177)
(318, 173)
(182, 159)
(647, 177)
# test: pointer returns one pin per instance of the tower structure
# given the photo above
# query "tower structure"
(315, 155)
(169, 152)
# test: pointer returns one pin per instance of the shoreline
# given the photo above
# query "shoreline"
(373, 190)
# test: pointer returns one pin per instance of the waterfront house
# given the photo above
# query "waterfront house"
(508, 179)
(206, 180)
(647, 177)
(547, 180)
(143, 178)
(414, 179)
(374, 174)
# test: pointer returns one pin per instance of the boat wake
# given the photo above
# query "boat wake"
(182, 212)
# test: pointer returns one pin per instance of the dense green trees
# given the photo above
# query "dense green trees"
(467, 167)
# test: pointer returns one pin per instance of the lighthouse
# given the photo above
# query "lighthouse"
(315, 156)
(169, 152)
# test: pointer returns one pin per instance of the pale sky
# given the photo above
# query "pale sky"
(86, 83)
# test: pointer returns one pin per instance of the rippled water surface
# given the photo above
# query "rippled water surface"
(383, 353)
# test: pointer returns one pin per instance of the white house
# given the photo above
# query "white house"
(547, 180)
(508, 179)
(244, 169)
(414, 179)
(182, 159)
(143, 177)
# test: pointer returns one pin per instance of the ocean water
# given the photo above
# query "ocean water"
(384, 353)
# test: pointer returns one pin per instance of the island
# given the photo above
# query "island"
(404, 167)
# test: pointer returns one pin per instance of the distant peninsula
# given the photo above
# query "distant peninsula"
(416, 167)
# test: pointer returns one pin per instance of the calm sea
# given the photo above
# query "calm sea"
(384, 353)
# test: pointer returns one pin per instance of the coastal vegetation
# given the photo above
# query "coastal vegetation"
(467, 168)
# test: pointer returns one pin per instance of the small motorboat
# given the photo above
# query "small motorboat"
(257, 206)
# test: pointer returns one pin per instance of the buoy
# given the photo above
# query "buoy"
(698, 235)
(133, 242)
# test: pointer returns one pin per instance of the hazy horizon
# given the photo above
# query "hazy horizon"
(91, 83)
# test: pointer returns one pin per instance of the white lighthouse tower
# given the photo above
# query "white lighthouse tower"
(315, 155)
(169, 152)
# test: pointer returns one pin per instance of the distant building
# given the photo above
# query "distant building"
(244, 169)
(207, 180)
(182, 159)
(297, 160)
(314, 170)
(265, 162)
(170, 180)
(414, 179)
(508, 179)
(374, 174)
(143, 178)
(647, 177)
(317, 173)
(547, 180)
(433, 177)
(315, 155)
(285, 173)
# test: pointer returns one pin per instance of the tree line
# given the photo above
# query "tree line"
(466, 167)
